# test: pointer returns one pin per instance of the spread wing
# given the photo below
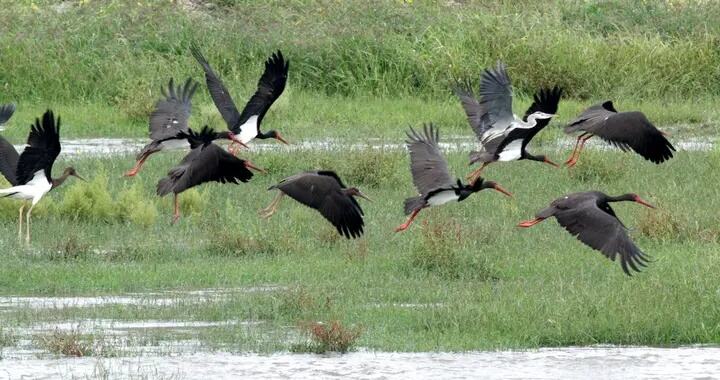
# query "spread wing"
(603, 232)
(270, 86)
(6, 112)
(171, 114)
(545, 100)
(496, 99)
(428, 166)
(8, 161)
(626, 130)
(42, 150)
(204, 164)
(473, 111)
(323, 192)
(218, 92)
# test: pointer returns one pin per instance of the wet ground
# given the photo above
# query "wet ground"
(134, 355)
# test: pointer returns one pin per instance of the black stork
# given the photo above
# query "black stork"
(206, 162)
(625, 130)
(431, 176)
(325, 192)
(503, 136)
(169, 122)
(30, 172)
(6, 112)
(246, 125)
(589, 217)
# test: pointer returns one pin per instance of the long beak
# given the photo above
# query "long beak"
(530, 223)
(281, 139)
(551, 163)
(361, 195)
(643, 202)
(502, 190)
(80, 178)
(237, 141)
(250, 165)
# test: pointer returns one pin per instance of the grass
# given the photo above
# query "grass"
(462, 278)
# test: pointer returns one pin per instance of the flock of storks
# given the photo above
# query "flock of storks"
(502, 135)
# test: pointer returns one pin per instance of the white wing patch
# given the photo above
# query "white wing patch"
(511, 151)
(249, 130)
(443, 197)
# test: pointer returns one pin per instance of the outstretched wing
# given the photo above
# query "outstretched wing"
(603, 232)
(496, 98)
(270, 86)
(42, 150)
(218, 92)
(472, 108)
(6, 112)
(626, 130)
(8, 161)
(204, 164)
(427, 164)
(171, 114)
(545, 100)
(323, 192)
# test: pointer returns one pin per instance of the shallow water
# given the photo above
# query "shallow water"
(121, 146)
(560, 363)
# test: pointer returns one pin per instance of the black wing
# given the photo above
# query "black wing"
(428, 166)
(204, 164)
(603, 232)
(323, 192)
(626, 130)
(42, 150)
(6, 112)
(219, 93)
(270, 86)
(171, 114)
(496, 97)
(473, 111)
(8, 161)
(545, 100)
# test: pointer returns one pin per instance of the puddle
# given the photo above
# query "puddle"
(120, 146)
(556, 363)
(9, 303)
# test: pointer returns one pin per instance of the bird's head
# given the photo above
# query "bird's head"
(354, 191)
(234, 138)
(276, 135)
(542, 158)
(70, 171)
(542, 115)
(636, 198)
(482, 184)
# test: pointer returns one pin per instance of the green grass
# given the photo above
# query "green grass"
(488, 284)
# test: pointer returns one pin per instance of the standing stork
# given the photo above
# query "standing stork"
(206, 162)
(325, 192)
(431, 176)
(6, 112)
(169, 122)
(30, 172)
(589, 217)
(503, 136)
(246, 125)
(625, 130)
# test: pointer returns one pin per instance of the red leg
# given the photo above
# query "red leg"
(577, 143)
(473, 177)
(409, 221)
(176, 213)
(573, 160)
(137, 167)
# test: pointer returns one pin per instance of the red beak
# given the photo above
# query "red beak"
(643, 202)
(530, 223)
(551, 163)
(502, 190)
(250, 165)
(279, 138)
(233, 137)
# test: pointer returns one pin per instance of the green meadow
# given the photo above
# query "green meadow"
(463, 277)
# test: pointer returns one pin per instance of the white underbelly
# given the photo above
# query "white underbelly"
(443, 197)
(511, 152)
(175, 144)
(249, 130)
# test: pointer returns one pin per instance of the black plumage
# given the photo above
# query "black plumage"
(270, 86)
(6, 112)
(206, 162)
(625, 130)
(325, 192)
(42, 150)
(589, 217)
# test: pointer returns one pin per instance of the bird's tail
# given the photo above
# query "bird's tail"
(165, 186)
(414, 203)
(481, 156)
(7, 192)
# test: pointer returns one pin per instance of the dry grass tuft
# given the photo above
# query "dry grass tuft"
(67, 343)
(330, 337)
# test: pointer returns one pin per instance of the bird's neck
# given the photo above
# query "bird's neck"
(263, 136)
(531, 121)
(59, 180)
(525, 155)
(620, 198)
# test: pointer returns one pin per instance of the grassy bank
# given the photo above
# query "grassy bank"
(464, 277)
